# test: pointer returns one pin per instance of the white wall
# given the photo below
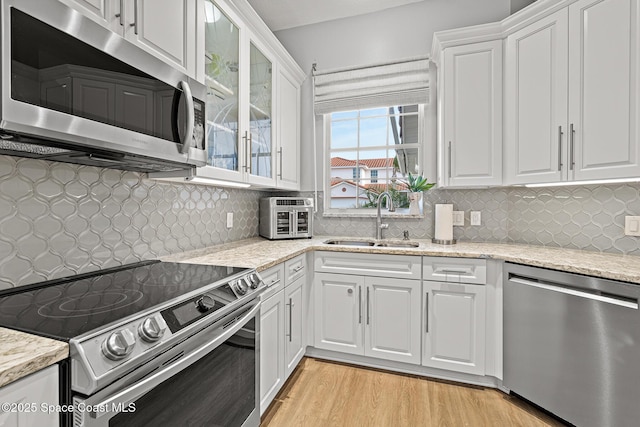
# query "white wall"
(397, 33)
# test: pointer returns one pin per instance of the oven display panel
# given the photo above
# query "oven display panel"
(180, 316)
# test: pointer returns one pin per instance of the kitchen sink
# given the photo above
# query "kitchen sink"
(350, 242)
(370, 243)
(398, 244)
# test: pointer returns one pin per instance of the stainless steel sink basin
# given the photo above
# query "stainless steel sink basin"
(369, 243)
(398, 244)
(351, 242)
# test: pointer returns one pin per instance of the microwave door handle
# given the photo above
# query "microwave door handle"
(292, 222)
(188, 135)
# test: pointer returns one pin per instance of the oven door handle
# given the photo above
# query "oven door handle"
(139, 389)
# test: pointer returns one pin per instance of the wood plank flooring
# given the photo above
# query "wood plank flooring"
(322, 393)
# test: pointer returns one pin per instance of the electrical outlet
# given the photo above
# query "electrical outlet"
(632, 225)
(458, 217)
(229, 219)
(476, 218)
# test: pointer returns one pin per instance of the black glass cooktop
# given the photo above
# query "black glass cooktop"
(69, 307)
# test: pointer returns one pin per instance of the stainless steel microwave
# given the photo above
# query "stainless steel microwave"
(286, 217)
(74, 91)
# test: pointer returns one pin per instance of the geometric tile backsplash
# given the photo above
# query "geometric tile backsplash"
(59, 219)
(587, 217)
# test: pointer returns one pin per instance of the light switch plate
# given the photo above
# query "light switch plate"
(476, 218)
(632, 225)
(458, 217)
(229, 219)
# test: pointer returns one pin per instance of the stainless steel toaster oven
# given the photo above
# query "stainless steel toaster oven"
(286, 217)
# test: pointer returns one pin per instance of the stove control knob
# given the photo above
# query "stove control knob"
(241, 287)
(152, 328)
(254, 280)
(205, 303)
(119, 344)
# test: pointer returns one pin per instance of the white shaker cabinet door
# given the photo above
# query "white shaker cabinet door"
(295, 325)
(472, 109)
(455, 327)
(35, 390)
(392, 318)
(272, 323)
(288, 132)
(535, 144)
(338, 312)
(165, 28)
(604, 79)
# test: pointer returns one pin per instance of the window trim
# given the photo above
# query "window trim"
(364, 212)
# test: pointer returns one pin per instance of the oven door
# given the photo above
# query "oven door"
(90, 96)
(210, 379)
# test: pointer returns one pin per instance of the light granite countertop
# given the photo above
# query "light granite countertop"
(261, 254)
(22, 354)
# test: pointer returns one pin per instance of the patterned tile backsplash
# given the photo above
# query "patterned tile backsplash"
(58, 219)
(588, 217)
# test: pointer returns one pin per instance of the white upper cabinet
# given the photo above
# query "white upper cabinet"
(253, 99)
(288, 132)
(536, 102)
(572, 95)
(164, 28)
(470, 115)
(571, 104)
(604, 80)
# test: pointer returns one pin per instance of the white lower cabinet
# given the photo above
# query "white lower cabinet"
(295, 326)
(272, 348)
(282, 326)
(454, 336)
(370, 316)
(26, 397)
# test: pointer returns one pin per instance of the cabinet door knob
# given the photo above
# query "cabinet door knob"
(349, 291)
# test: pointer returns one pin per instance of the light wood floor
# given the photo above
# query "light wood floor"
(321, 393)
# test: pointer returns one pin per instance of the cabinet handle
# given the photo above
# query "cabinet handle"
(249, 143)
(572, 133)
(274, 282)
(280, 155)
(449, 159)
(559, 148)
(244, 138)
(426, 314)
(359, 305)
(290, 318)
(298, 268)
(119, 15)
(368, 311)
(135, 17)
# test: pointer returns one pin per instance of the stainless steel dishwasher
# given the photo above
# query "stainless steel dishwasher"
(572, 345)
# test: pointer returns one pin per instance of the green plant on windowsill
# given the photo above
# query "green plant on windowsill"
(417, 184)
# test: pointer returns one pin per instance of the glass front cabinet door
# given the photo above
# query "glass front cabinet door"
(239, 101)
(260, 107)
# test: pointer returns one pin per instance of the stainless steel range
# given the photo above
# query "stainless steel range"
(151, 343)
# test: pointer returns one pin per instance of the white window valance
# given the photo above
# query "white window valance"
(399, 83)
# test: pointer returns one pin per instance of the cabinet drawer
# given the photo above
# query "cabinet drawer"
(379, 265)
(274, 279)
(294, 268)
(457, 270)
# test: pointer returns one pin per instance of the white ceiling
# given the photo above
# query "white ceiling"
(284, 14)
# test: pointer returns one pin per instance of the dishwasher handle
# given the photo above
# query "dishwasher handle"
(549, 286)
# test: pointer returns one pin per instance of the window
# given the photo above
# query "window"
(371, 151)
